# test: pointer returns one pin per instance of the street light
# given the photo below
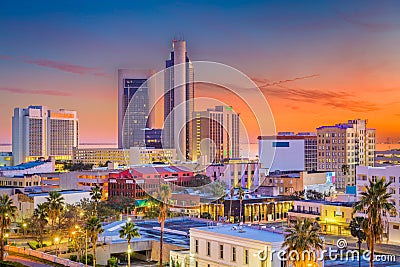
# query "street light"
(24, 227)
(86, 242)
(359, 241)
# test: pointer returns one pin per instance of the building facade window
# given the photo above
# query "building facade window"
(246, 256)
(234, 254)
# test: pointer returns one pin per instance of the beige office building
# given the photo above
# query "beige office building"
(38, 132)
(344, 146)
(215, 135)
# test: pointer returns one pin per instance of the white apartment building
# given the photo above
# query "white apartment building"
(342, 147)
(229, 245)
(215, 135)
(38, 132)
(389, 173)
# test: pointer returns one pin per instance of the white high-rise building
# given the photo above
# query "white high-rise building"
(133, 117)
(178, 101)
(39, 132)
(215, 135)
(344, 146)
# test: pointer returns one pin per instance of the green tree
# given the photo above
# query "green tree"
(375, 202)
(7, 213)
(39, 222)
(96, 193)
(129, 231)
(163, 198)
(303, 236)
(356, 226)
(55, 204)
(94, 228)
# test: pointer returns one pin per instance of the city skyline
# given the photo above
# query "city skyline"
(338, 60)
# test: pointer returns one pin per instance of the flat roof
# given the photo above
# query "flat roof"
(23, 166)
(247, 233)
(63, 192)
(332, 203)
(149, 229)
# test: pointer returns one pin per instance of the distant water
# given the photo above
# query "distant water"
(8, 148)
(382, 147)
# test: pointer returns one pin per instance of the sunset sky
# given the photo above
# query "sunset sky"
(316, 62)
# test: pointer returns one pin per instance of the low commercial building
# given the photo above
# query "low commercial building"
(236, 172)
(149, 155)
(26, 203)
(334, 217)
(21, 181)
(188, 205)
(99, 156)
(138, 181)
(229, 245)
(390, 173)
(6, 159)
(291, 182)
(77, 180)
(255, 208)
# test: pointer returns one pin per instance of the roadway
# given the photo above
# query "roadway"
(25, 261)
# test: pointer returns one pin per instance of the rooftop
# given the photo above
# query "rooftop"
(24, 166)
(176, 230)
(63, 192)
(332, 203)
(246, 232)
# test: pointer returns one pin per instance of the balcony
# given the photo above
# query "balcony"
(305, 212)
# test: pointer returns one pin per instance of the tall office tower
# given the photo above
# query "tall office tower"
(39, 132)
(215, 135)
(153, 138)
(62, 133)
(344, 146)
(133, 117)
(178, 101)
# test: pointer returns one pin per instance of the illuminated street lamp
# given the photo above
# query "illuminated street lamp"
(86, 241)
(6, 238)
(24, 225)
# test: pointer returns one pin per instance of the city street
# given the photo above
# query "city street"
(27, 262)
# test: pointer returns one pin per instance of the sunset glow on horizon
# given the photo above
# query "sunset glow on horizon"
(331, 62)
